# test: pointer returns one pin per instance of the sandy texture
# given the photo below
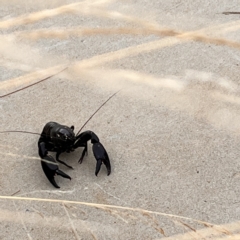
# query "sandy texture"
(172, 132)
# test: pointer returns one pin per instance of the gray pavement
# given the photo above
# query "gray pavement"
(172, 132)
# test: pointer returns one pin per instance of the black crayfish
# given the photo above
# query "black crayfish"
(60, 138)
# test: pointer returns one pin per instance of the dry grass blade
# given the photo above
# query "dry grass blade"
(71, 223)
(31, 77)
(15, 193)
(107, 57)
(115, 213)
(141, 48)
(192, 234)
(37, 16)
(154, 223)
(42, 80)
(22, 222)
(209, 234)
(130, 31)
(222, 230)
(217, 229)
(227, 13)
(27, 157)
(135, 77)
(85, 7)
(103, 206)
(188, 226)
(57, 222)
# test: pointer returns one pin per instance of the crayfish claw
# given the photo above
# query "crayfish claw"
(108, 166)
(50, 168)
(80, 160)
(102, 157)
(98, 167)
(52, 181)
(61, 173)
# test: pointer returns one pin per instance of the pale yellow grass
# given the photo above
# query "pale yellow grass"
(215, 230)
(38, 16)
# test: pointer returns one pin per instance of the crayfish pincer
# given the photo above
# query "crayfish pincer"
(99, 151)
(60, 138)
(51, 169)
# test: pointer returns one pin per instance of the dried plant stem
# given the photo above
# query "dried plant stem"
(37, 16)
(117, 55)
(42, 80)
(130, 31)
(103, 206)
(33, 76)
(28, 157)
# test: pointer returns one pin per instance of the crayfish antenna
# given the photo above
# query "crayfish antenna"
(52, 181)
(97, 111)
(81, 141)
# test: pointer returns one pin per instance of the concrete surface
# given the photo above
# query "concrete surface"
(172, 132)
